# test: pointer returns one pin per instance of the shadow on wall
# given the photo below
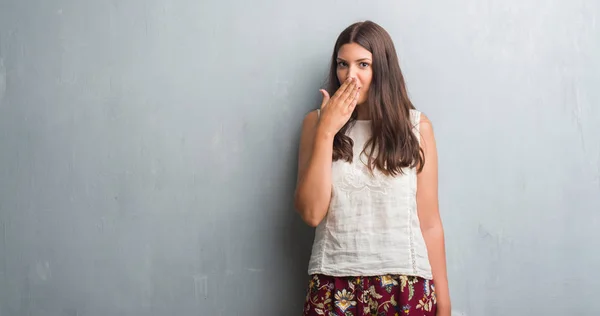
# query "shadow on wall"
(295, 243)
(294, 237)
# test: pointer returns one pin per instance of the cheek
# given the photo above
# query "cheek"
(367, 78)
(341, 75)
(364, 90)
(366, 84)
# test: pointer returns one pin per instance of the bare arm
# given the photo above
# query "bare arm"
(313, 190)
(429, 216)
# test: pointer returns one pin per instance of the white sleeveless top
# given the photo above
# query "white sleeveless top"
(371, 227)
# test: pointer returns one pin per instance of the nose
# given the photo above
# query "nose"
(351, 72)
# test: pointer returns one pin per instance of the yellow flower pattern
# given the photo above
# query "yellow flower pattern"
(397, 295)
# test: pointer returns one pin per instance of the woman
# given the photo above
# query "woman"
(367, 180)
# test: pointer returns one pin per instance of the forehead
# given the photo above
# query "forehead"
(353, 51)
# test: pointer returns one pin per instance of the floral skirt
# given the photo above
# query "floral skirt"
(374, 296)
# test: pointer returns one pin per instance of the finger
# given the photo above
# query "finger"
(325, 97)
(351, 95)
(349, 92)
(342, 88)
(354, 102)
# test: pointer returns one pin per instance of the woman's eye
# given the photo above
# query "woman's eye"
(364, 65)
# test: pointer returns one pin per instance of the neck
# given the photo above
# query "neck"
(362, 112)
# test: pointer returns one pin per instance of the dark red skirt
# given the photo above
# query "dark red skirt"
(396, 295)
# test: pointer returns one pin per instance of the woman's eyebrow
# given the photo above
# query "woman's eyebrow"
(362, 59)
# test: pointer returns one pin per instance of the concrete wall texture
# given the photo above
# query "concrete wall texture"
(148, 150)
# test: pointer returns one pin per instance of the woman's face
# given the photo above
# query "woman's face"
(355, 61)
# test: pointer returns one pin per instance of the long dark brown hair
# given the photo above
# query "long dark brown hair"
(393, 145)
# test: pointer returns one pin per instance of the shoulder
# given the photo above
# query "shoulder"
(425, 123)
(420, 119)
(422, 125)
(426, 134)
